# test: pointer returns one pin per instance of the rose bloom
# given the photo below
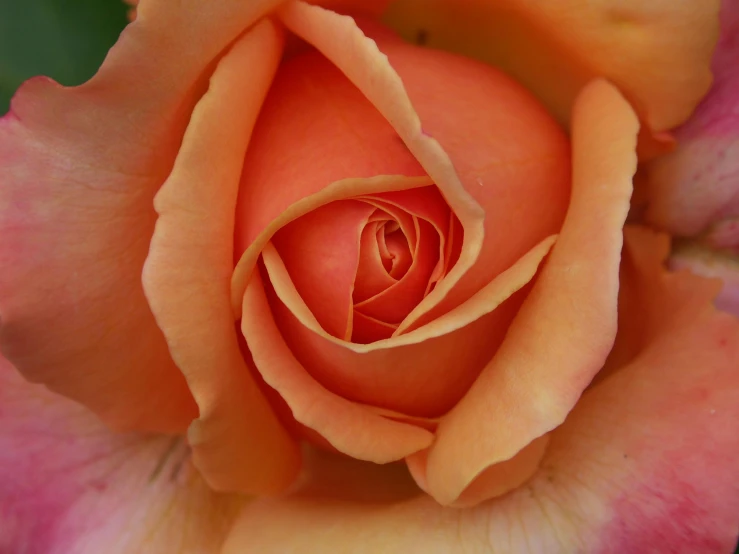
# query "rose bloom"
(357, 278)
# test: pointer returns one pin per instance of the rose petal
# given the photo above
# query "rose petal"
(394, 303)
(350, 427)
(367, 329)
(625, 473)
(372, 275)
(80, 168)
(321, 252)
(238, 443)
(530, 157)
(67, 484)
(656, 52)
(330, 141)
(695, 187)
(544, 365)
(409, 373)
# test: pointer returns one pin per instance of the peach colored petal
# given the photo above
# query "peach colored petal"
(565, 328)
(394, 303)
(372, 275)
(69, 485)
(485, 164)
(431, 206)
(328, 141)
(350, 427)
(657, 53)
(321, 252)
(80, 167)
(407, 373)
(367, 329)
(695, 189)
(626, 472)
(238, 443)
(363, 65)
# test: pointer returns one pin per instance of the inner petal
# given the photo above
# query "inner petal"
(321, 253)
(372, 274)
(394, 303)
(399, 252)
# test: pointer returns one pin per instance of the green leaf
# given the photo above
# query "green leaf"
(63, 39)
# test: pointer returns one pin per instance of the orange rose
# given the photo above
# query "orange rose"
(372, 248)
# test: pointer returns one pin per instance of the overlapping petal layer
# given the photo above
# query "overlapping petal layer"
(564, 331)
(656, 52)
(238, 443)
(80, 168)
(67, 484)
(695, 190)
(625, 473)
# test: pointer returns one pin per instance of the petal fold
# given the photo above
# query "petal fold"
(68, 484)
(562, 335)
(238, 443)
(658, 53)
(626, 472)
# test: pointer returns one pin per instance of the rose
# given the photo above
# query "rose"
(622, 405)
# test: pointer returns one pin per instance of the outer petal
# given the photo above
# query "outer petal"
(657, 52)
(79, 169)
(238, 442)
(68, 485)
(625, 473)
(697, 186)
(565, 328)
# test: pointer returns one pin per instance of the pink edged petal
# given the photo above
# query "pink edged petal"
(695, 189)
(80, 167)
(321, 253)
(367, 329)
(408, 373)
(238, 442)
(709, 263)
(562, 335)
(69, 485)
(646, 462)
(657, 52)
(349, 427)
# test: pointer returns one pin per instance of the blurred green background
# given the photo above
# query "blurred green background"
(64, 39)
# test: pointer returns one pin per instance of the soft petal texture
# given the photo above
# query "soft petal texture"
(540, 168)
(657, 52)
(494, 164)
(696, 188)
(321, 253)
(349, 427)
(238, 442)
(80, 167)
(710, 263)
(410, 373)
(625, 473)
(531, 157)
(562, 335)
(68, 485)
